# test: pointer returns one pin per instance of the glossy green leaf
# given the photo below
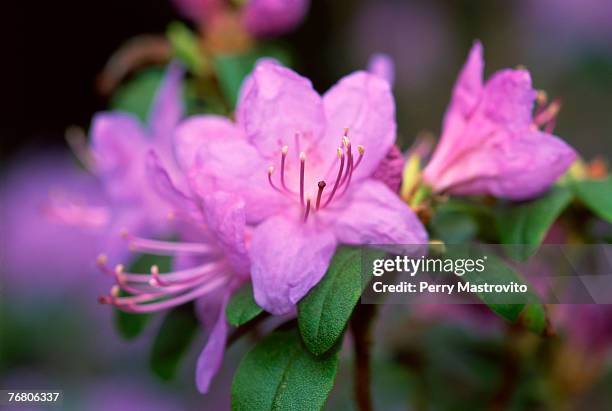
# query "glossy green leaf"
(130, 325)
(522, 226)
(231, 69)
(326, 309)
(172, 341)
(242, 307)
(280, 374)
(596, 195)
(137, 95)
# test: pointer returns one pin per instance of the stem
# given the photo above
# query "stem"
(361, 326)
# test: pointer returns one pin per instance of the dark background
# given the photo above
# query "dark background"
(60, 48)
(56, 50)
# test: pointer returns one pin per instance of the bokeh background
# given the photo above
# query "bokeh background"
(53, 334)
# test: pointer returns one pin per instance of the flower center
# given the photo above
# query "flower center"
(346, 166)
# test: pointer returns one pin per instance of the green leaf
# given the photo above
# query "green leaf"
(326, 309)
(242, 307)
(137, 95)
(280, 374)
(596, 195)
(231, 69)
(186, 47)
(176, 333)
(534, 318)
(130, 325)
(523, 226)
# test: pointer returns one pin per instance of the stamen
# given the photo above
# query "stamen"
(321, 186)
(127, 305)
(270, 172)
(338, 178)
(361, 150)
(307, 209)
(284, 152)
(548, 114)
(302, 167)
(165, 247)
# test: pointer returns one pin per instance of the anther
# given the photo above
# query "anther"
(123, 233)
(361, 150)
(154, 281)
(114, 292)
(270, 172)
(104, 299)
(101, 260)
(321, 186)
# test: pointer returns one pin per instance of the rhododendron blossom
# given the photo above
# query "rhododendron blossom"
(491, 143)
(303, 165)
(210, 262)
(260, 18)
(117, 157)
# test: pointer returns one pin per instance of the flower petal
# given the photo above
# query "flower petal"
(517, 168)
(276, 104)
(468, 87)
(232, 165)
(288, 259)
(225, 216)
(272, 17)
(467, 92)
(211, 356)
(363, 103)
(375, 215)
(167, 108)
(119, 144)
(508, 99)
(196, 130)
(382, 66)
(164, 186)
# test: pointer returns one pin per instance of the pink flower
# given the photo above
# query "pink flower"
(305, 185)
(119, 147)
(261, 18)
(210, 262)
(265, 18)
(490, 141)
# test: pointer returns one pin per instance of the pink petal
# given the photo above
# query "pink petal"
(119, 144)
(288, 259)
(375, 215)
(273, 17)
(232, 165)
(467, 93)
(508, 99)
(211, 356)
(167, 107)
(196, 130)
(164, 186)
(363, 103)
(225, 216)
(468, 87)
(276, 104)
(382, 66)
(519, 168)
